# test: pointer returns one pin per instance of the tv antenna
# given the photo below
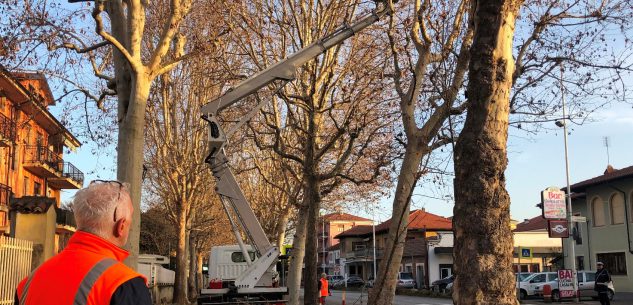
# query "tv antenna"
(606, 144)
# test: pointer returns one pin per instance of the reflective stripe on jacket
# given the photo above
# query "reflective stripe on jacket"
(324, 287)
(87, 272)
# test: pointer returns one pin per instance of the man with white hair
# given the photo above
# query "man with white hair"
(90, 270)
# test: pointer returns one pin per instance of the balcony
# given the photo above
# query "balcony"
(65, 221)
(48, 164)
(42, 161)
(5, 194)
(7, 131)
(364, 254)
(71, 177)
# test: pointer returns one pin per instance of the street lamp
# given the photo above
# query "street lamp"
(569, 241)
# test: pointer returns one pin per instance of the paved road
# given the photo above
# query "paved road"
(358, 298)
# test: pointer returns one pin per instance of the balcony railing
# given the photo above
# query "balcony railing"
(7, 128)
(5, 194)
(71, 171)
(66, 218)
(41, 154)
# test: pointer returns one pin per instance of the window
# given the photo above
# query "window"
(580, 262)
(446, 270)
(577, 232)
(615, 263)
(617, 209)
(238, 257)
(579, 277)
(37, 189)
(597, 208)
(25, 191)
(541, 278)
(358, 246)
(341, 228)
(591, 277)
(535, 268)
(552, 276)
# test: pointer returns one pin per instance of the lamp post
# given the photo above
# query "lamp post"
(570, 241)
(373, 231)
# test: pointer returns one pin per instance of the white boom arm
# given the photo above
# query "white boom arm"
(227, 188)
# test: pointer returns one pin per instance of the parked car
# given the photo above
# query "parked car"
(440, 285)
(370, 282)
(449, 287)
(405, 280)
(586, 283)
(333, 279)
(526, 287)
(352, 281)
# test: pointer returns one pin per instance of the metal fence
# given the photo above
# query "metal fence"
(15, 264)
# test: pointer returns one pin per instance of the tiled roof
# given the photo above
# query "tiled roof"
(355, 231)
(31, 204)
(334, 248)
(534, 224)
(344, 217)
(609, 175)
(420, 220)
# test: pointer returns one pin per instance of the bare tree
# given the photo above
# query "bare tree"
(331, 122)
(482, 204)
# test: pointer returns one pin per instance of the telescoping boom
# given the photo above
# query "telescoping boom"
(231, 195)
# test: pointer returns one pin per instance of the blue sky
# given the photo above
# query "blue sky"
(537, 162)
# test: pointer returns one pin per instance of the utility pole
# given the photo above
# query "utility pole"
(373, 229)
(570, 241)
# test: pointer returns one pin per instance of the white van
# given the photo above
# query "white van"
(527, 286)
(586, 283)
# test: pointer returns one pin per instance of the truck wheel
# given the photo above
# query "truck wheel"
(555, 296)
(610, 294)
(523, 294)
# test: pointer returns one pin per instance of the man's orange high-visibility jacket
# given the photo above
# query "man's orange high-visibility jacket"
(87, 272)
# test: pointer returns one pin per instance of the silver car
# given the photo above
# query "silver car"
(405, 280)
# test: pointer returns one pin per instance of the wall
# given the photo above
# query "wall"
(446, 240)
(607, 238)
(40, 229)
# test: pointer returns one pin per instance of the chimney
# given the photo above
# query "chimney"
(609, 169)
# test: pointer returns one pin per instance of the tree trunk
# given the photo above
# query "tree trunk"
(296, 261)
(483, 239)
(312, 199)
(385, 285)
(193, 265)
(199, 263)
(180, 282)
(281, 228)
(130, 151)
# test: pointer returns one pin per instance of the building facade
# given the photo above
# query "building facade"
(357, 246)
(328, 227)
(32, 169)
(607, 234)
(532, 233)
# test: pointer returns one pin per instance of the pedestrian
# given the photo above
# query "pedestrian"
(323, 288)
(601, 285)
(89, 271)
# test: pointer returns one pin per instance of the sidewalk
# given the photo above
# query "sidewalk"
(622, 298)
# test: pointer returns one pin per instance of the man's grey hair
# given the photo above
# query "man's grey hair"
(94, 207)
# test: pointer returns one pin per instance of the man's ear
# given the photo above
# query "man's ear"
(119, 226)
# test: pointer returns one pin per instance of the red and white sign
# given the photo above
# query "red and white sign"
(566, 283)
(554, 206)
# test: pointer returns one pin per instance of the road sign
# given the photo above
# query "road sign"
(526, 252)
(558, 228)
(578, 219)
(566, 283)
(554, 206)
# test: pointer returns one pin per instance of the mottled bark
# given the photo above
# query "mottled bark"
(296, 261)
(180, 282)
(385, 285)
(312, 199)
(130, 148)
(483, 239)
